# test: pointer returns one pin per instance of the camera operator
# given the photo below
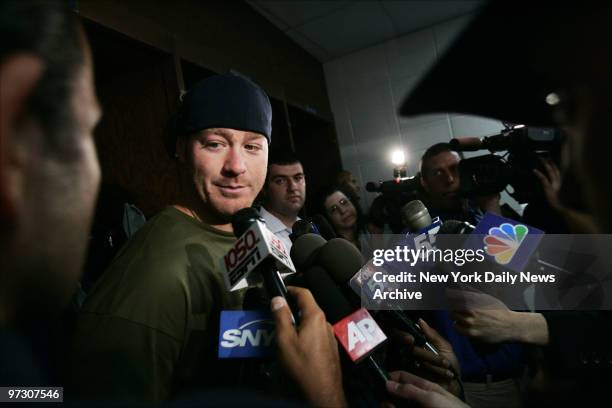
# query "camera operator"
(440, 179)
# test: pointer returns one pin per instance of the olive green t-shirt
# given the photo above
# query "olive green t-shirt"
(150, 327)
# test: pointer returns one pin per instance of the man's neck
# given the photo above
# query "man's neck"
(287, 220)
(200, 215)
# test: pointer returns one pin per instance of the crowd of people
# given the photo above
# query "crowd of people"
(147, 332)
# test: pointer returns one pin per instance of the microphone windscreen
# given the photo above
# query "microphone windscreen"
(242, 220)
(300, 227)
(325, 229)
(304, 250)
(415, 215)
(327, 295)
(341, 260)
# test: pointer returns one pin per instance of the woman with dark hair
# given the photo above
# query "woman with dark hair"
(342, 210)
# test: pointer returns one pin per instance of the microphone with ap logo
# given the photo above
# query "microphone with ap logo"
(355, 330)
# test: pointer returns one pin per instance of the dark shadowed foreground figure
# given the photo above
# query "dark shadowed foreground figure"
(558, 75)
(49, 172)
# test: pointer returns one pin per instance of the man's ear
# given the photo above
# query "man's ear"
(19, 74)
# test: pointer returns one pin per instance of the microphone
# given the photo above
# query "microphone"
(256, 248)
(415, 215)
(304, 250)
(343, 262)
(247, 333)
(301, 227)
(494, 231)
(355, 330)
(322, 226)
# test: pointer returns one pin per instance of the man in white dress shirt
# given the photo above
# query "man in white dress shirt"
(283, 194)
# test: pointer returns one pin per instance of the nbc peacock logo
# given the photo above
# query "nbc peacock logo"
(502, 242)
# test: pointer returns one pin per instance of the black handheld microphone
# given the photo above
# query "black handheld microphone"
(343, 261)
(242, 222)
(299, 228)
(323, 227)
(355, 330)
(305, 249)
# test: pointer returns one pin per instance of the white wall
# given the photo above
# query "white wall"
(365, 89)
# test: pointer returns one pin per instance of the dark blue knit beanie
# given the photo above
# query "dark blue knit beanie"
(223, 101)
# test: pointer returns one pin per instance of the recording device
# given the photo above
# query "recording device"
(415, 215)
(490, 174)
(358, 333)
(343, 261)
(355, 330)
(395, 194)
(301, 227)
(317, 225)
(257, 248)
(408, 185)
(258, 255)
(305, 249)
(322, 227)
(246, 334)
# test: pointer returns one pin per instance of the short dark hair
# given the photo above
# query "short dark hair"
(49, 30)
(433, 151)
(282, 157)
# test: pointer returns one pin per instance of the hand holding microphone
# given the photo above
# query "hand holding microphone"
(309, 352)
(426, 394)
(442, 368)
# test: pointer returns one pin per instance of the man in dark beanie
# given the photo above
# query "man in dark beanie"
(149, 329)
